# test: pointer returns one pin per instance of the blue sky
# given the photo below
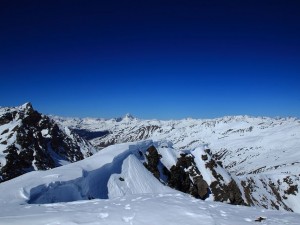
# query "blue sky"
(153, 59)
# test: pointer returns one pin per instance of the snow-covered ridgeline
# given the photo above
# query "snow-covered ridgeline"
(64, 195)
(262, 152)
(244, 143)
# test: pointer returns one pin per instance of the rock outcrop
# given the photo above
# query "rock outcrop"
(31, 141)
(186, 176)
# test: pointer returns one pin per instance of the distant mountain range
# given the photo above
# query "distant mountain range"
(239, 160)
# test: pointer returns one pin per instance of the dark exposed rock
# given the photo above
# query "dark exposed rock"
(16, 163)
(202, 187)
(275, 190)
(235, 195)
(230, 192)
(63, 145)
(224, 192)
(292, 190)
(185, 177)
(32, 150)
(208, 151)
(248, 189)
(220, 163)
(179, 179)
(153, 160)
(211, 164)
(204, 157)
(5, 131)
(7, 117)
(32, 119)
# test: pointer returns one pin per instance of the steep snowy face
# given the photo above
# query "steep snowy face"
(31, 141)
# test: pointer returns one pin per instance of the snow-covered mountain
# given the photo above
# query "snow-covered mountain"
(239, 160)
(126, 184)
(31, 141)
(264, 153)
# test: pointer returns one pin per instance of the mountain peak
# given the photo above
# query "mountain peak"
(26, 105)
(128, 116)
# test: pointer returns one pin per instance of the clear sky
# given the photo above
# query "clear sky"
(153, 59)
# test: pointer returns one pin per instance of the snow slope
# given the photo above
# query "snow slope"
(262, 152)
(141, 209)
(125, 191)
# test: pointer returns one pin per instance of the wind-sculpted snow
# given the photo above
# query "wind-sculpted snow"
(86, 179)
(123, 170)
(263, 153)
(134, 179)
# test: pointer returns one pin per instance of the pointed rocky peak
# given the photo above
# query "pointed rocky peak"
(26, 108)
(26, 105)
(32, 141)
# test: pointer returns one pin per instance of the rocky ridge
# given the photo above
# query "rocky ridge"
(31, 141)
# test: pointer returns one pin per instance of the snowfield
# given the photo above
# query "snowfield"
(113, 187)
(141, 209)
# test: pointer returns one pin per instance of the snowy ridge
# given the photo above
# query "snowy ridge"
(243, 142)
(86, 179)
(115, 171)
(64, 195)
(262, 152)
(134, 179)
